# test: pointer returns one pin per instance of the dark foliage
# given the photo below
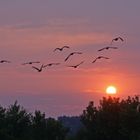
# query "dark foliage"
(114, 119)
(17, 124)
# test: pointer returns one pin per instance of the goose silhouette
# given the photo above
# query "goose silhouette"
(75, 66)
(107, 48)
(116, 39)
(71, 55)
(5, 61)
(30, 63)
(50, 64)
(100, 57)
(61, 49)
(38, 69)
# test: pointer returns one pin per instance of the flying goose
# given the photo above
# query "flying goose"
(5, 61)
(71, 55)
(38, 69)
(30, 63)
(99, 57)
(116, 39)
(50, 64)
(106, 48)
(61, 49)
(75, 66)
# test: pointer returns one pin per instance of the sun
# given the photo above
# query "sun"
(111, 90)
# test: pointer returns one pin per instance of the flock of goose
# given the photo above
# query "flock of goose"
(39, 69)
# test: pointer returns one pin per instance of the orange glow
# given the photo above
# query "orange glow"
(111, 90)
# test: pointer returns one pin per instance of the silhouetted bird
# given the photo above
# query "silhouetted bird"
(75, 66)
(5, 61)
(38, 69)
(100, 57)
(50, 64)
(61, 49)
(71, 55)
(106, 48)
(30, 63)
(116, 39)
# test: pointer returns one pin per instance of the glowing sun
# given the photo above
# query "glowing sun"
(111, 90)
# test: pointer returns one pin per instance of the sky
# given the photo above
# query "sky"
(31, 29)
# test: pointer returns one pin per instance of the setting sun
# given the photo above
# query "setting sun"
(111, 90)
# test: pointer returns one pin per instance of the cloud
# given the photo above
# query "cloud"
(48, 36)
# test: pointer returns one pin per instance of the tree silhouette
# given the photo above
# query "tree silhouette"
(39, 126)
(55, 130)
(112, 120)
(17, 122)
(2, 123)
(130, 118)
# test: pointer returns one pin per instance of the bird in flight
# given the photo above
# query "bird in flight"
(75, 66)
(99, 57)
(50, 64)
(5, 61)
(30, 63)
(106, 48)
(61, 49)
(38, 69)
(116, 39)
(71, 55)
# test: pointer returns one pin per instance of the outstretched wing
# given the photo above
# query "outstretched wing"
(35, 68)
(80, 63)
(94, 60)
(42, 66)
(67, 57)
(121, 38)
(101, 49)
(113, 47)
(56, 49)
(5, 61)
(77, 52)
(105, 57)
(65, 47)
(71, 66)
(50, 64)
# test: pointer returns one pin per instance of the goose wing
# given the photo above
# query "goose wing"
(65, 47)
(68, 56)
(113, 47)
(35, 68)
(121, 39)
(101, 49)
(80, 63)
(56, 49)
(94, 60)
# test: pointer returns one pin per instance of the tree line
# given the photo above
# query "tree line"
(17, 124)
(113, 119)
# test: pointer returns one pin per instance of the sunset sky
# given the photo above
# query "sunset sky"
(31, 29)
